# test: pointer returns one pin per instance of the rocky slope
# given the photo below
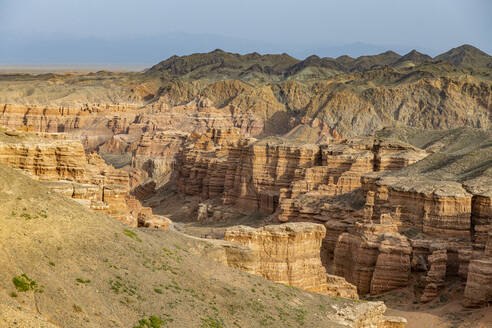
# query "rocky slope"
(351, 104)
(218, 64)
(74, 267)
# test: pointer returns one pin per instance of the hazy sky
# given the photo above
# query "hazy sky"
(428, 25)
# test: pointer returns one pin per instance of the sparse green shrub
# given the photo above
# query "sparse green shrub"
(82, 281)
(13, 294)
(256, 306)
(132, 235)
(177, 246)
(230, 291)
(52, 263)
(173, 254)
(299, 315)
(360, 301)
(23, 283)
(153, 322)
(26, 216)
(174, 286)
(119, 286)
(158, 291)
(210, 322)
(268, 320)
(234, 308)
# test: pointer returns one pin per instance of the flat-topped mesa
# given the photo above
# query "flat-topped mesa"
(374, 256)
(342, 166)
(290, 254)
(63, 165)
(344, 162)
(392, 155)
(434, 207)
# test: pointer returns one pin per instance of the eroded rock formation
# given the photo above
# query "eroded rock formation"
(290, 254)
(478, 291)
(63, 165)
(269, 174)
(435, 207)
(437, 273)
(374, 257)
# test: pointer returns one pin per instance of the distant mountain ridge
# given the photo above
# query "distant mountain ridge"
(219, 64)
(466, 56)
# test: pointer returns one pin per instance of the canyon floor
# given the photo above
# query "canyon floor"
(227, 190)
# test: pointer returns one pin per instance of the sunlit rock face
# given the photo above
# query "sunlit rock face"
(62, 164)
(270, 174)
(290, 254)
(374, 257)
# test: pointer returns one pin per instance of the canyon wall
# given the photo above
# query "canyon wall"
(269, 174)
(380, 228)
(434, 207)
(64, 167)
(450, 232)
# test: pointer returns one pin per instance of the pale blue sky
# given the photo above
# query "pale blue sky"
(298, 27)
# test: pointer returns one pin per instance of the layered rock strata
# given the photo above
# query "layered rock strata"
(481, 208)
(240, 255)
(290, 254)
(434, 207)
(63, 165)
(436, 275)
(340, 171)
(269, 174)
(478, 291)
(95, 124)
(374, 257)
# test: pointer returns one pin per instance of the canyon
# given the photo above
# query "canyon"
(352, 180)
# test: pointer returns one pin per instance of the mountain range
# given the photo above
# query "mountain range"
(218, 64)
